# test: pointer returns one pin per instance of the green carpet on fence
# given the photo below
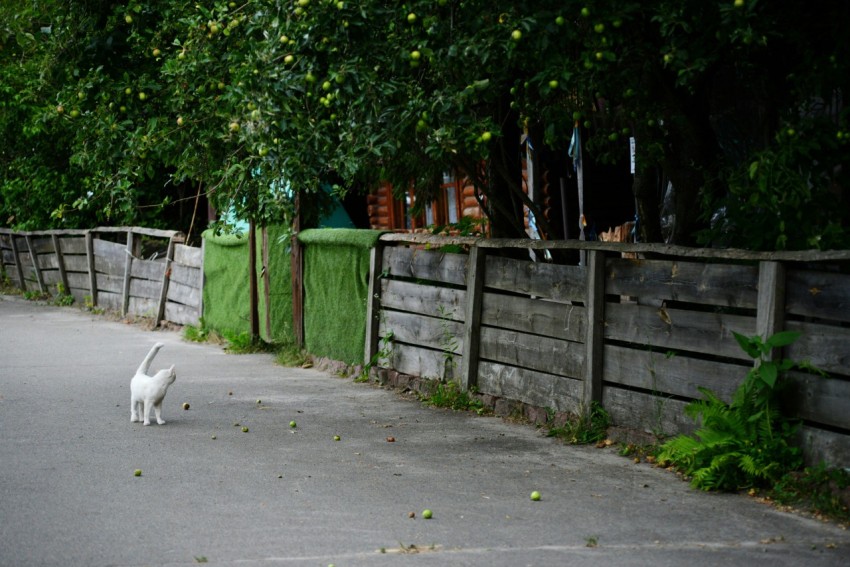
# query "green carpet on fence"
(226, 285)
(336, 286)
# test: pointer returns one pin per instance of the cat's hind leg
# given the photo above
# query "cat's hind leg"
(157, 409)
(147, 412)
(135, 410)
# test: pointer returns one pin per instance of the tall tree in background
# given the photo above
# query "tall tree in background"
(736, 103)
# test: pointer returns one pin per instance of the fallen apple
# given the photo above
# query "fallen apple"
(535, 496)
(186, 406)
(138, 472)
(427, 514)
(293, 424)
(336, 437)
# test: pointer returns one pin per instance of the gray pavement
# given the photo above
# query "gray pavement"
(277, 495)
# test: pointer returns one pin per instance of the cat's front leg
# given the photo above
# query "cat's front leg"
(157, 409)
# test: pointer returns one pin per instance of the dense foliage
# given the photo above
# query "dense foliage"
(137, 112)
(747, 442)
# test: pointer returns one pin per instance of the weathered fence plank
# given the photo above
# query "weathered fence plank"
(536, 316)
(594, 297)
(425, 265)
(674, 280)
(148, 270)
(424, 299)
(410, 328)
(534, 352)
(671, 374)
(817, 399)
(535, 388)
(656, 415)
(187, 295)
(418, 361)
(472, 318)
(695, 331)
(825, 346)
(185, 275)
(550, 281)
(819, 294)
(188, 256)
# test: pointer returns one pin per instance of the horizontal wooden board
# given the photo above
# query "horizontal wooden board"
(143, 307)
(186, 275)
(656, 415)
(658, 280)
(79, 280)
(550, 281)
(423, 362)
(148, 269)
(544, 354)
(425, 265)
(184, 294)
(820, 446)
(188, 256)
(110, 284)
(145, 288)
(76, 263)
(42, 245)
(537, 316)
(818, 294)
(535, 388)
(825, 346)
(51, 279)
(429, 300)
(81, 296)
(429, 332)
(181, 314)
(818, 399)
(667, 328)
(676, 375)
(109, 300)
(106, 249)
(72, 245)
(48, 262)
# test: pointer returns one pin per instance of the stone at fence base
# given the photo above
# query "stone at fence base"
(506, 408)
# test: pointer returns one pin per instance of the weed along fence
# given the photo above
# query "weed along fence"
(639, 336)
(135, 271)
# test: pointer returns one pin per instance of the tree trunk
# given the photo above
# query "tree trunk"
(648, 202)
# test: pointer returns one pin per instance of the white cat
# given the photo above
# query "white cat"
(149, 391)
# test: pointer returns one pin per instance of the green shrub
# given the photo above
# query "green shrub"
(746, 442)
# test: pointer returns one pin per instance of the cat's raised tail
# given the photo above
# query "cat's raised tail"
(146, 363)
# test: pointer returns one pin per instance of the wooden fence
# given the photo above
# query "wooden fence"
(639, 336)
(136, 271)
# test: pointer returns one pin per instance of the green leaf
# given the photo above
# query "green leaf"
(768, 372)
(781, 339)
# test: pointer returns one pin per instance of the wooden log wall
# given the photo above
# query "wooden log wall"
(640, 336)
(106, 268)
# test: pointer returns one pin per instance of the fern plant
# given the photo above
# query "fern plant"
(746, 442)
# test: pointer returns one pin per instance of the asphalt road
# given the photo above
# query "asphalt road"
(277, 495)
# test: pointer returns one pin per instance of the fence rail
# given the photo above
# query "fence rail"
(131, 270)
(638, 335)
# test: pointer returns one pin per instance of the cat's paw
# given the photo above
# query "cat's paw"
(147, 422)
(134, 419)
(160, 421)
